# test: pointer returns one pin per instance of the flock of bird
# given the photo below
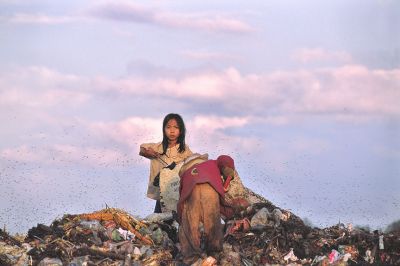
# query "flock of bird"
(38, 192)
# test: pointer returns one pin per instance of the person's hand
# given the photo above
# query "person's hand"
(151, 153)
(227, 171)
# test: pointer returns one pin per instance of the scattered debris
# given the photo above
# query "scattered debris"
(114, 237)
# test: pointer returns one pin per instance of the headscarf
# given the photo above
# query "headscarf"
(225, 161)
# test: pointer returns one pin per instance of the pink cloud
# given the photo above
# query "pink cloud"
(203, 85)
(131, 12)
(351, 89)
(131, 131)
(201, 22)
(356, 89)
(213, 123)
(41, 87)
(23, 153)
(126, 11)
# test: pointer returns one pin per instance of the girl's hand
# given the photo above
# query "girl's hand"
(149, 153)
(153, 153)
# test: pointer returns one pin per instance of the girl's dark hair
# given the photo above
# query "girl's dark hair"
(182, 132)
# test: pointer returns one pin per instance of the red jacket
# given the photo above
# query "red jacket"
(206, 172)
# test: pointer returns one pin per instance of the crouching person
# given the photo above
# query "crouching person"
(200, 197)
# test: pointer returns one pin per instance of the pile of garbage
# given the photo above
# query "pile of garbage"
(261, 234)
(266, 235)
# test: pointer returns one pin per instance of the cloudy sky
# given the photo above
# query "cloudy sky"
(305, 95)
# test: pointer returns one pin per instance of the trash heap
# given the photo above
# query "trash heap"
(260, 234)
(107, 237)
(264, 235)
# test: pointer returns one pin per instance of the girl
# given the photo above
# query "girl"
(171, 149)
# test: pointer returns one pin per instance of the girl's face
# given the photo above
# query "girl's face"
(172, 130)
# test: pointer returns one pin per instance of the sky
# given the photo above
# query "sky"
(304, 95)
